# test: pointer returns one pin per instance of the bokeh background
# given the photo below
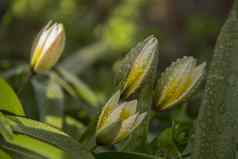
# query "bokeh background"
(100, 32)
(187, 27)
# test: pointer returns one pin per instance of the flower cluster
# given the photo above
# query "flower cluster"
(117, 120)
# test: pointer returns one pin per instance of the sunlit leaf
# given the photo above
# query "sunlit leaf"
(5, 128)
(4, 155)
(8, 100)
(37, 146)
(50, 135)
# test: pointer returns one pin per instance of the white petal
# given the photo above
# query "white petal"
(139, 120)
(53, 34)
(129, 109)
(198, 71)
(107, 109)
(115, 115)
(175, 81)
(126, 128)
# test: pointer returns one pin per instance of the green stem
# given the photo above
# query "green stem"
(25, 80)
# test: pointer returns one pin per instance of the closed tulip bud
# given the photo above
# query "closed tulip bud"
(47, 47)
(141, 67)
(117, 121)
(178, 82)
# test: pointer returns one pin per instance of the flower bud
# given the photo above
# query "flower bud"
(141, 66)
(117, 121)
(178, 82)
(47, 47)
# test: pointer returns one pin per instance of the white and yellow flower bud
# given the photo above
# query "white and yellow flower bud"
(141, 66)
(47, 47)
(117, 121)
(178, 82)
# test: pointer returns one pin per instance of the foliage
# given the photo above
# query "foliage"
(80, 108)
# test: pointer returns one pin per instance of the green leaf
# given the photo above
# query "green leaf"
(216, 127)
(4, 155)
(37, 146)
(19, 152)
(80, 87)
(54, 105)
(50, 135)
(74, 127)
(88, 138)
(8, 100)
(5, 127)
(123, 155)
(50, 100)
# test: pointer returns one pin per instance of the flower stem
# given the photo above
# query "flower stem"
(25, 80)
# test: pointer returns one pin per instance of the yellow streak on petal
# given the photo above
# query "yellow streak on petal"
(36, 55)
(134, 78)
(174, 90)
(107, 110)
(124, 115)
(103, 118)
(129, 109)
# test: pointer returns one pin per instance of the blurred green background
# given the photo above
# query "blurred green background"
(187, 27)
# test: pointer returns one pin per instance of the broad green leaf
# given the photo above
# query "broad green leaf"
(5, 128)
(50, 135)
(4, 155)
(8, 99)
(25, 122)
(216, 126)
(37, 146)
(17, 152)
(123, 155)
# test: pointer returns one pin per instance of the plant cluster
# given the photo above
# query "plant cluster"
(123, 122)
